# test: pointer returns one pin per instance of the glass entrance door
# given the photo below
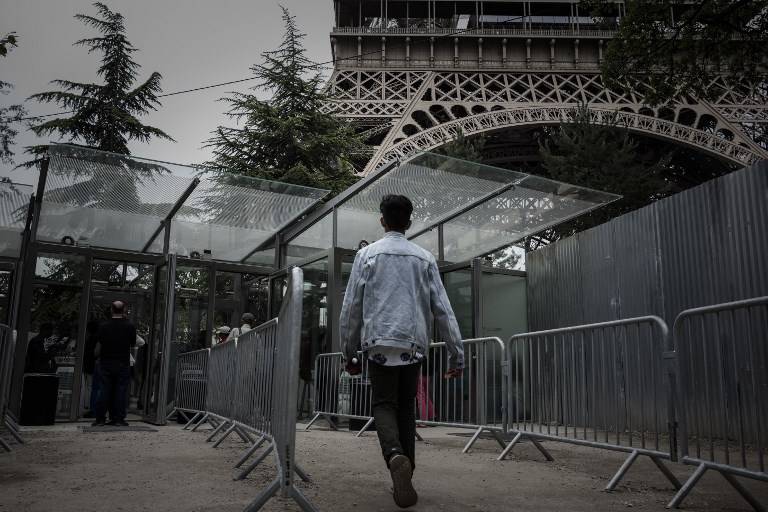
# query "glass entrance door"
(132, 284)
(159, 383)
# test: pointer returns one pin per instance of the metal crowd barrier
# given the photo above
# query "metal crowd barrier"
(252, 388)
(7, 351)
(191, 382)
(340, 395)
(252, 406)
(601, 385)
(722, 392)
(475, 401)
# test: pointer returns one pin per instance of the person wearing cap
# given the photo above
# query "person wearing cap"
(221, 334)
(247, 321)
(394, 296)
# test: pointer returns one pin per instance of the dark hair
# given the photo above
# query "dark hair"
(396, 211)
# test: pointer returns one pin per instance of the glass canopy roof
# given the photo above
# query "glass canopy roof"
(477, 207)
(14, 203)
(119, 202)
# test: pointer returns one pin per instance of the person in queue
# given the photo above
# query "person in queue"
(115, 339)
(393, 295)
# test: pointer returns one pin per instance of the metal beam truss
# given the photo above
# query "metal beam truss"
(425, 109)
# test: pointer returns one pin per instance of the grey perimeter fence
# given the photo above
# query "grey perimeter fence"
(8, 423)
(696, 396)
(249, 387)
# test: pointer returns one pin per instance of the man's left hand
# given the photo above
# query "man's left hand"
(354, 368)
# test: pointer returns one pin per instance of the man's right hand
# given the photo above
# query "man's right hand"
(454, 373)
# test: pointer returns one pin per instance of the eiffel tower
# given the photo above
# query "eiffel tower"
(412, 74)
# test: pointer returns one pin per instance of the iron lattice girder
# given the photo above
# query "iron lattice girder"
(521, 116)
(426, 108)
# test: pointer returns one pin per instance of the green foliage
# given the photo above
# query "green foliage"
(603, 157)
(11, 114)
(463, 147)
(106, 116)
(286, 138)
(7, 41)
(678, 47)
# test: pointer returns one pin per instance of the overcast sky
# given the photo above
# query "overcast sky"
(190, 42)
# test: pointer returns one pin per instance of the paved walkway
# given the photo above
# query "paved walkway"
(65, 469)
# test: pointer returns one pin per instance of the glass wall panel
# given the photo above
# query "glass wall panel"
(314, 324)
(505, 313)
(54, 323)
(14, 201)
(505, 309)
(429, 241)
(458, 286)
(264, 258)
(317, 238)
(437, 185)
(6, 281)
(191, 307)
(131, 283)
(531, 206)
(238, 293)
(279, 286)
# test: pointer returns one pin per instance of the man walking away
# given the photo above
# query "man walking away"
(116, 337)
(393, 295)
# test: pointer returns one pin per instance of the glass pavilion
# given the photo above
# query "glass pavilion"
(190, 251)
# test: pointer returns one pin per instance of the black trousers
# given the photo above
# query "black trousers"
(115, 376)
(394, 408)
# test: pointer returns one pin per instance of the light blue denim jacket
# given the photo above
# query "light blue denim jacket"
(393, 295)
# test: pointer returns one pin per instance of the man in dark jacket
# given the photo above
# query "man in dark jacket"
(39, 356)
(115, 339)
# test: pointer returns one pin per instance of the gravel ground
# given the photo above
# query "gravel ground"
(64, 469)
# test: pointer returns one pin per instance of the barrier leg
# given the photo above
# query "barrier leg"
(173, 411)
(509, 447)
(264, 496)
(215, 431)
(226, 434)
(472, 441)
(245, 437)
(247, 471)
(362, 430)
(687, 486)
(743, 491)
(200, 423)
(543, 450)
(419, 438)
(5, 445)
(666, 472)
(301, 473)
(497, 436)
(622, 471)
(12, 423)
(14, 433)
(192, 420)
(183, 415)
(312, 421)
(302, 500)
(250, 451)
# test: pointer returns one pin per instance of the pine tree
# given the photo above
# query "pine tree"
(464, 148)
(106, 116)
(12, 114)
(602, 157)
(287, 138)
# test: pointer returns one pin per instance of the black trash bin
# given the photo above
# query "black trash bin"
(39, 395)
